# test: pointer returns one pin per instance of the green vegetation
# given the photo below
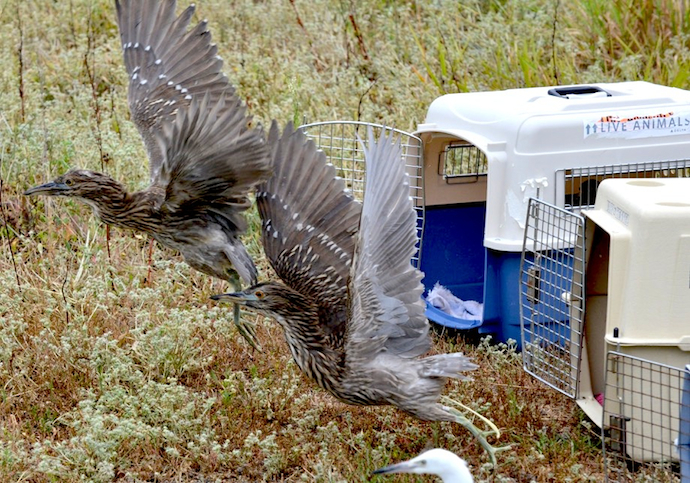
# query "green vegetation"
(105, 375)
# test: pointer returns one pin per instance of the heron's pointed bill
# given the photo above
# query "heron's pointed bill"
(50, 189)
(404, 467)
(235, 297)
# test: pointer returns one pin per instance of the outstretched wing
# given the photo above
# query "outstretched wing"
(386, 310)
(209, 162)
(309, 221)
(168, 67)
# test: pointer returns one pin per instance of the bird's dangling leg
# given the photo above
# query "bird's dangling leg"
(150, 262)
(110, 259)
(247, 329)
(476, 432)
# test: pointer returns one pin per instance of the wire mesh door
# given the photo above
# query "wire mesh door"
(551, 296)
(642, 414)
(342, 142)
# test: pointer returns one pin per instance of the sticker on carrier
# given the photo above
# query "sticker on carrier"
(638, 124)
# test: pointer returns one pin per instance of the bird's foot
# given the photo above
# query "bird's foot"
(481, 436)
(246, 329)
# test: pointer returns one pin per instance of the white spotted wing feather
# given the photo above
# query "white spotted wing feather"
(168, 66)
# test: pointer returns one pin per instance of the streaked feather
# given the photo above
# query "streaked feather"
(309, 223)
(208, 161)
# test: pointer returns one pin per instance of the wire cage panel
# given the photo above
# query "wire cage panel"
(462, 162)
(343, 143)
(551, 296)
(642, 419)
(578, 186)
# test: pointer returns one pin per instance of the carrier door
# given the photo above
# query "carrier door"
(551, 296)
(647, 419)
(343, 143)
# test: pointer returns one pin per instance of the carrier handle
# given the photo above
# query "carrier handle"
(563, 92)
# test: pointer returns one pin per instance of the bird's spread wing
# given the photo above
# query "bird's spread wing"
(386, 310)
(209, 163)
(309, 221)
(168, 67)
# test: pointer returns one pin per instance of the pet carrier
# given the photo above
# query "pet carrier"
(486, 154)
(623, 270)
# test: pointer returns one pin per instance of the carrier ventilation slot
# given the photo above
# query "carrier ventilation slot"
(581, 184)
(462, 162)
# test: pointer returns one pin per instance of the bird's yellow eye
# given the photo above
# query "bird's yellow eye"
(259, 294)
(69, 182)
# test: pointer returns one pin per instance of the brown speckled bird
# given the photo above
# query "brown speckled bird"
(204, 158)
(350, 300)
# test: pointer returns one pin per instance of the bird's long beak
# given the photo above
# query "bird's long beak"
(235, 297)
(50, 189)
(404, 467)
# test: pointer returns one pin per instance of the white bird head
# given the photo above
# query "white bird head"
(440, 462)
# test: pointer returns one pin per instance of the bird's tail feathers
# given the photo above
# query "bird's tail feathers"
(242, 262)
(447, 365)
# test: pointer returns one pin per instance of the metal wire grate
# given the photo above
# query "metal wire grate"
(551, 296)
(462, 162)
(341, 141)
(579, 185)
(641, 419)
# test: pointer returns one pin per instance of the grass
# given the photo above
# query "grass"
(105, 375)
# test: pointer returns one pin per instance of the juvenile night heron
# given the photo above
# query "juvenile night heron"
(203, 156)
(350, 300)
(440, 462)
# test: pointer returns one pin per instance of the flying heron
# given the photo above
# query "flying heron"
(440, 462)
(204, 158)
(350, 301)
